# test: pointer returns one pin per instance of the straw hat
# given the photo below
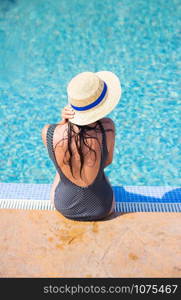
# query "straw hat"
(93, 96)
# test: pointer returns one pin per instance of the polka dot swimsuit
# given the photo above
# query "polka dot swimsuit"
(88, 203)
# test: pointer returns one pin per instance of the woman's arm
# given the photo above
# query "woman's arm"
(67, 113)
(53, 187)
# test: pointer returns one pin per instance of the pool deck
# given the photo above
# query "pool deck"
(37, 243)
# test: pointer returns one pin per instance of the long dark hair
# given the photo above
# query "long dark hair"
(80, 139)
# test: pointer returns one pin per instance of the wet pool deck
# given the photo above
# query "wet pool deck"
(45, 244)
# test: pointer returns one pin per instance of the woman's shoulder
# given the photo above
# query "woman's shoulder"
(108, 123)
(44, 133)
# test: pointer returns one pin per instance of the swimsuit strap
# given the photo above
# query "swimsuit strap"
(49, 139)
(104, 139)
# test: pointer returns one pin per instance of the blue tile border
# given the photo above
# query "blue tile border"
(128, 198)
(25, 191)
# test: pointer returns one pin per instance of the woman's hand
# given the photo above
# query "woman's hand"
(67, 113)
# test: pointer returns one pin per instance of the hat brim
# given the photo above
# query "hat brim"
(104, 108)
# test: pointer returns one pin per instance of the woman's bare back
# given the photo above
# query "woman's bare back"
(91, 165)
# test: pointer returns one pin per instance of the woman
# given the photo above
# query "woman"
(82, 145)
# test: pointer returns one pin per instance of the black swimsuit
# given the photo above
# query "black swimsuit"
(88, 203)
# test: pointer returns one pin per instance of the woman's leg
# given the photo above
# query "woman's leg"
(53, 187)
(112, 210)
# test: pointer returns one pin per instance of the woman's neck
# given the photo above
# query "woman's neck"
(92, 124)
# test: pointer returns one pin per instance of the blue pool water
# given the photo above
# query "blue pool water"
(43, 44)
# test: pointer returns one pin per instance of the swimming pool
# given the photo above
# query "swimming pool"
(45, 43)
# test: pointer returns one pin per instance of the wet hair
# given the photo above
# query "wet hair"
(80, 139)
